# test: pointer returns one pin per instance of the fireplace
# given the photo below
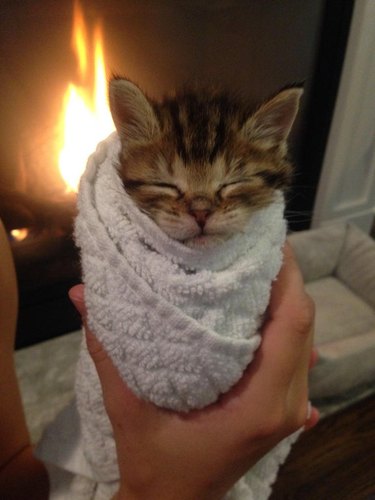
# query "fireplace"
(251, 47)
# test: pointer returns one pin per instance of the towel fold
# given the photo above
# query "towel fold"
(180, 324)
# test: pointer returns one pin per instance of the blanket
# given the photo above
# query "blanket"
(180, 324)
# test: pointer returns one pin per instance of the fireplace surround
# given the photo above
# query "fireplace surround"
(251, 47)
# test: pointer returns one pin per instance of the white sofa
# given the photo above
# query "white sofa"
(338, 266)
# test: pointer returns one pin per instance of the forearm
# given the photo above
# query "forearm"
(13, 431)
(21, 474)
(24, 476)
(186, 484)
(169, 493)
(14, 434)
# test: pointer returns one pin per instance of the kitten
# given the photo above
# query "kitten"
(201, 163)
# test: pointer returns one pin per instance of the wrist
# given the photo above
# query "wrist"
(170, 492)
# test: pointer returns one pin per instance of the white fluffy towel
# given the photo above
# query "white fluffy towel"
(180, 324)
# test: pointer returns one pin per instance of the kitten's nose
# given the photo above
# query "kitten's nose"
(200, 216)
(200, 209)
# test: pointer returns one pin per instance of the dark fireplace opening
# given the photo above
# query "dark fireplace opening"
(253, 48)
(47, 265)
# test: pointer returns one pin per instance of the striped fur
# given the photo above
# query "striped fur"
(200, 163)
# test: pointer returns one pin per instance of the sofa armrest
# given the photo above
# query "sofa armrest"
(356, 264)
(318, 250)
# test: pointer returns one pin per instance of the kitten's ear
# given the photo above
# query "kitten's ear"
(270, 125)
(132, 112)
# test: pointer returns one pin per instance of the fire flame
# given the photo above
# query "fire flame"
(86, 118)
(19, 234)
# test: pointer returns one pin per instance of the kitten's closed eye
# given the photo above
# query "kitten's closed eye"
(230, 187)
(164, 185)
(166, 188)
(155, 187)
(233, 183)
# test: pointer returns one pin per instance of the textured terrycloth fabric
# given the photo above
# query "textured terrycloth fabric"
(180, 324)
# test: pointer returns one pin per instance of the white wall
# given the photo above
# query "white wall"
(347, 184)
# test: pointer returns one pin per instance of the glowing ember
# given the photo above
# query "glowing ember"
(86, 117)
(19, 234)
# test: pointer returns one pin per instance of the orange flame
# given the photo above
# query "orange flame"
(19, 234)
(79, 38)
(86, 116)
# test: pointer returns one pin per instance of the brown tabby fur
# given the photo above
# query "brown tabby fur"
(200, 163)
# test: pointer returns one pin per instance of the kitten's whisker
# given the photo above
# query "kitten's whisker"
(301, 216)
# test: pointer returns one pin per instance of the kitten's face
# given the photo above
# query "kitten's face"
(200, 203)
(199, 165)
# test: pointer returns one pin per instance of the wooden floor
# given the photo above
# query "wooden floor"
(333, 461)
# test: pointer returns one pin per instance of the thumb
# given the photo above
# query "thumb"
(77, 296)
(95, 348)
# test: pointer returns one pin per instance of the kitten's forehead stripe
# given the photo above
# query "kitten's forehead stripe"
(178, 130)
(220, 131)
(212, 131)
(199, 124)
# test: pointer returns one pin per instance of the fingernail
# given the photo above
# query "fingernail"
(309, 410)
(314, 357)
(313, 417)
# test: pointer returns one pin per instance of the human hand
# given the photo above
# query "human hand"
(201, 454)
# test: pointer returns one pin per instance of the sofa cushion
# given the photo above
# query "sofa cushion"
(340, 313)
(343, 365)
(345, 339)
(338, 267)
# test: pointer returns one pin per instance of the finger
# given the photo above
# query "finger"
(297, 394)
(287, 344)
(312, 419)
(95, 348)
(76, 295)
(291, 310)
(314, 357)
(96, 351)
(288, 331)
(288, 285)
